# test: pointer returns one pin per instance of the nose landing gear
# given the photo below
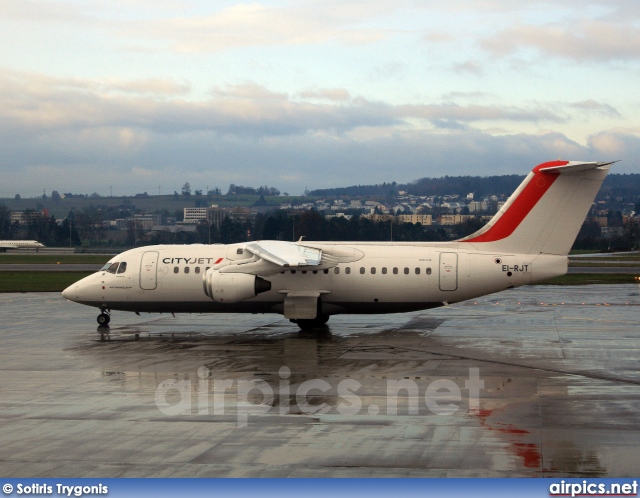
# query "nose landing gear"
(104, 317)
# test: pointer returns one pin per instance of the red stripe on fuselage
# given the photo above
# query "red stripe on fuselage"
(522, 205)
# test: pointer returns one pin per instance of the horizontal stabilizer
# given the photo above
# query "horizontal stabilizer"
(575, 167)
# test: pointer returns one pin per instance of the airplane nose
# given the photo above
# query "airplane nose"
(69, 293)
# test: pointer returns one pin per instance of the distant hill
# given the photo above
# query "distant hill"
(621, 185)
(615, 185)
(462, 185)
(383, 190)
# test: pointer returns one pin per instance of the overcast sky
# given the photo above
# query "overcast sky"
(145, 95)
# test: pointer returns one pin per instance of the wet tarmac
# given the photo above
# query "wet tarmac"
(538, 381)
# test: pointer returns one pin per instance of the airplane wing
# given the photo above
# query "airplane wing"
(274, 256)
(234, 280)
(286, 254)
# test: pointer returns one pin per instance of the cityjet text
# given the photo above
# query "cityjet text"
(187, 261)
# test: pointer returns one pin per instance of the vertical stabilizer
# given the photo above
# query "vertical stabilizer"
(545, 213)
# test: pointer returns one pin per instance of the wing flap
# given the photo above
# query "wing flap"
(285, 254)
(274, 256)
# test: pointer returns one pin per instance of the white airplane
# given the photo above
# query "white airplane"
(527, 241)
(19, 244)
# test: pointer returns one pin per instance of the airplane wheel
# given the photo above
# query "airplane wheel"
(103, 319)
(309, 324)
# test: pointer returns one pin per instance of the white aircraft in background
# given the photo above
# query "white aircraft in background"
(19, 244)
(527, 241)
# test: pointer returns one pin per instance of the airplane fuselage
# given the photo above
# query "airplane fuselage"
(381, 278)
(19, 244)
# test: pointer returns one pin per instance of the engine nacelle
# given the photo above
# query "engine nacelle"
(233, 287)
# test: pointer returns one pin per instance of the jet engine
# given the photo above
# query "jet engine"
(233, 287)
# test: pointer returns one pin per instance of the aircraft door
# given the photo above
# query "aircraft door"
(448, 271)
(149, 270)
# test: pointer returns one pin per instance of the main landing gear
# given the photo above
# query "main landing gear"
(104, 317)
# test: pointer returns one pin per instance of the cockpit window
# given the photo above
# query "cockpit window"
(111, 267)
(122, 268)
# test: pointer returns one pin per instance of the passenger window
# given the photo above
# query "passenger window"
(417, 271)
(428, 271)
(197, 269)
(176, 269)
(406, 271)
(384, 271)
(113, 268)
(336, 270)
(362, 270)
(395, 271)
(186, 269)
(373, 271)
(347, 270)
(122, 268)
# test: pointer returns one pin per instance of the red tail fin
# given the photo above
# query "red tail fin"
(546, 211)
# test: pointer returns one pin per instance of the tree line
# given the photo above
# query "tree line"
(615, 185)
(43, 229)
(86, 227)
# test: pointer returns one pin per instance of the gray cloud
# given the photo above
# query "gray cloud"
(334, 94)
(469, 67)
(291, 163)
(45, 12)
(86, 135)
(617, 145)
(93, 162)
(591, 106)
(38, 104)
(474, 113)
(586, 40)
(247, 91)
(254, 24)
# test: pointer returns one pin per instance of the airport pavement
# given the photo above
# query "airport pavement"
(391, 395)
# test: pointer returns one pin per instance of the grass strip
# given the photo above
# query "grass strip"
(38, 281)
(52, 259)
(604, 259)
(591, 278)
(625, 263)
